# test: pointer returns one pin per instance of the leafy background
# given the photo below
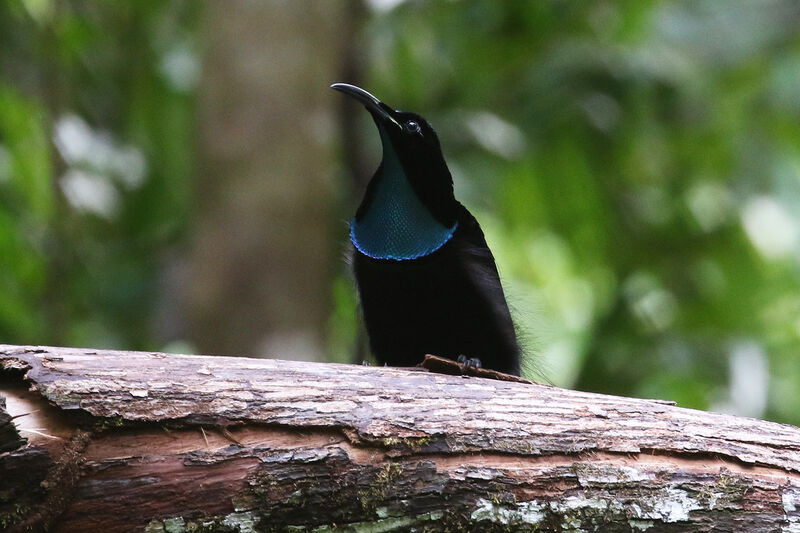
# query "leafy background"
(635, 166)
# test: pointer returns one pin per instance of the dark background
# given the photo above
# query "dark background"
(178, 176)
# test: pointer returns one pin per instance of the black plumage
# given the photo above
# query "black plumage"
(426, 278)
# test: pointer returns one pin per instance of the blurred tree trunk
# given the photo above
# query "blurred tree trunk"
(265, 237)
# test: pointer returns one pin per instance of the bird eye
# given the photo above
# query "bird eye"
(412, 126)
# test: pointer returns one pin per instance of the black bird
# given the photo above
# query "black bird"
(427, 281)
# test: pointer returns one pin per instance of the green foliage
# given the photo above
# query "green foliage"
(96, 157)
(27, 202)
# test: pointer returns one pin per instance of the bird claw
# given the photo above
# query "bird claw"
(472, 363)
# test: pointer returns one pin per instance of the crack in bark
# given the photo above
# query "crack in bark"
(60, 485)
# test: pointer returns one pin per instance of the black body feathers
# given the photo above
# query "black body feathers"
(449, 303)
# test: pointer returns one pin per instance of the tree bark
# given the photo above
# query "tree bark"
(131, 441)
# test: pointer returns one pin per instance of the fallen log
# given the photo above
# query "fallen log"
(94, 440)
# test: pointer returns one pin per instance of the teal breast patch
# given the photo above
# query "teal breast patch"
(397, 225)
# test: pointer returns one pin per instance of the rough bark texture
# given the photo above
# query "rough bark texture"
(124, 441)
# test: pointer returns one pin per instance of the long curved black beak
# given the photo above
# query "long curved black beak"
(380, 111)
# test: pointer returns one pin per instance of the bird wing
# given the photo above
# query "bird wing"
(480, 265)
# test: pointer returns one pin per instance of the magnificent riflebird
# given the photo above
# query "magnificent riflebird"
(426, 279)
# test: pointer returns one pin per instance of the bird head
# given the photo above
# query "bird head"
(408, 139)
